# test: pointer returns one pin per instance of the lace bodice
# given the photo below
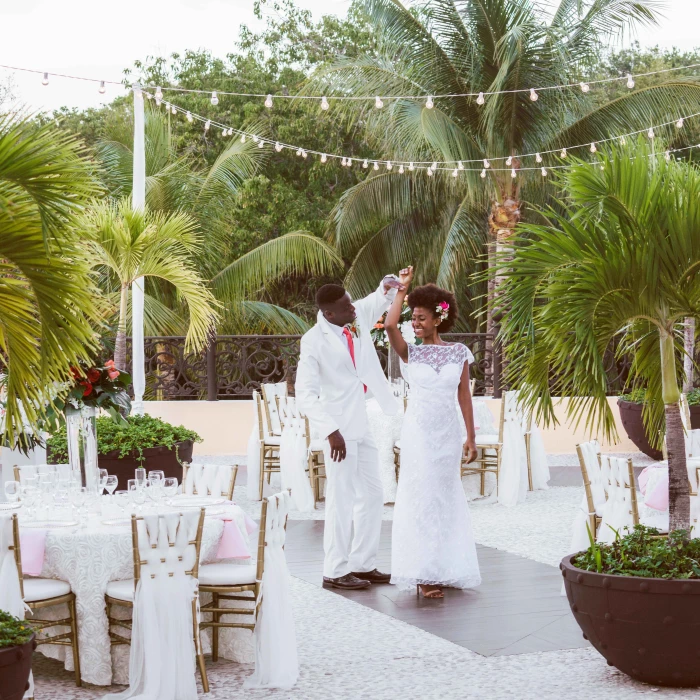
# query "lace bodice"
(438, 356)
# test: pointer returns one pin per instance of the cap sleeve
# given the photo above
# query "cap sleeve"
(467, 355)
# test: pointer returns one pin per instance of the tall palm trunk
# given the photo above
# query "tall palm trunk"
(120, 342)
(689, 356)
(678, 492)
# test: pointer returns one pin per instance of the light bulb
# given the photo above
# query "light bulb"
(602, 166)
(480, 100)
(538, 158)
(430, 172)
(298, 151)
(214, 98)
(509, 160)
(623, 140)
(679, 123)
(411, 166)
(429, 103)
(255, 138)
(242, 138)
(401, 169)
(513, 173)
(630, 81)
(348, 162)
(593, 148)
(148, 95)
(324, 157)
(667, 155)
(460, 165)
(207, 125)
(261, 143)
(486, 163)
(544, 171)
(342, 162)
(433, 165)
(324, 103)
(483, 173)
(389, 166)
(455, 172)
(278, 147)
(224, 132)
(102, 89)
(268, 102)
(45, 80)
(585, 87)
(533, 95)
(172, 109)
(650, 133)
(304, 153)
(159, 95)
(365, 164)
(375, 166)
(563, 153)
(378, 102)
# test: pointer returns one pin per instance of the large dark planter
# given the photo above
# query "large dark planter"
(631, 417)
(162, 458)
(15, 666)
(647, 628)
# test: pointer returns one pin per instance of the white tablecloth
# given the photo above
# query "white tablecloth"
(89, 559)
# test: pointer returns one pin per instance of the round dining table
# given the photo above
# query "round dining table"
(90, 555)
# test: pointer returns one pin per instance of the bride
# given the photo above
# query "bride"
(432, 541)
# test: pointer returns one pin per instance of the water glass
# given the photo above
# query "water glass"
(169, 488)
(140, 475)
(137, 494)
(156, 474)
(30, 496)
(103, 480)
(111, 483)
(12, 491)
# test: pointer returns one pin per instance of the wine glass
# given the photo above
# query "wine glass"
(30, 495)
(169, 488)
(111, 483)
(79, 498)
(103, 479)
(137, 494)
(12, 491)
(156, 474)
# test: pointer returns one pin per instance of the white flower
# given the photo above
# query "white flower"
(409, 335)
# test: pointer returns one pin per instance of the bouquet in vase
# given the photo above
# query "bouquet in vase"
(379, 336)
(104, 387)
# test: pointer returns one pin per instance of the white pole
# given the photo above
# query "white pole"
(138, 198)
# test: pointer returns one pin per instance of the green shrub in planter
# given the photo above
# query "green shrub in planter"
(13, 632)
(138, 434)
(640, 396)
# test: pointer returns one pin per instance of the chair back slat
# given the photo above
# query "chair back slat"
(209, 479)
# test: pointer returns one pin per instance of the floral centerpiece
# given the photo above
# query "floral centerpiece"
(379, 336)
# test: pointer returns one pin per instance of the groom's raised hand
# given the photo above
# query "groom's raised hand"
(338, 449)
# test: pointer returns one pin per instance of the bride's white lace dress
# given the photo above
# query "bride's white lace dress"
(432, 539)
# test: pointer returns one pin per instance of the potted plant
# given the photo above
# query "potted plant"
(139, 441)
(631, 407)
(617, 260)
(16, 647)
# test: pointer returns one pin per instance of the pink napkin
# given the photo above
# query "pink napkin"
(658, 498)
(33, 544)
(232, 545)
(644, 478)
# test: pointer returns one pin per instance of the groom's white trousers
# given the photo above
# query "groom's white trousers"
(354, 499)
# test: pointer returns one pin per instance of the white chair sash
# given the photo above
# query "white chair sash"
(208, 479)
(253, 465)
(512, 481)
(276, 659)
(294, 457)
(270, 392)
(162, 659)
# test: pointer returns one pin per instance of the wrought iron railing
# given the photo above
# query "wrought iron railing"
(233, 366)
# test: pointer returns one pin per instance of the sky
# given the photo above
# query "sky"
(99, 39)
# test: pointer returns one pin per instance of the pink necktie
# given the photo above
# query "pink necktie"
(351, 347)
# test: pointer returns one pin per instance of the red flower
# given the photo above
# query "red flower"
(109, 363)
(75, 372)
(112, 373)
(379, 325)
(88, 388)
(94, 375)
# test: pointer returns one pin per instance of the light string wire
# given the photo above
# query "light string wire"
(440, 165)
(583, 82)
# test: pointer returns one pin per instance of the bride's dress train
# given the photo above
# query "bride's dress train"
(432, 539)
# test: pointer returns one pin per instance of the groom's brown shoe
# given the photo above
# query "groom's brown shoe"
(373, 576)
(347, 582)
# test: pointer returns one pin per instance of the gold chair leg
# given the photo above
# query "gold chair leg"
(483, 481)
(74, 641)
(198, 648)
(262, 470)
(215, 630)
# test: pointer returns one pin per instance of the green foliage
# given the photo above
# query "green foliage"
(132, 437)
(13, 631)
(642, 552)
(639, 395)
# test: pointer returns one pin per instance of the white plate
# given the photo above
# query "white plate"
(197, 501)
(10, 506)
(50, 524)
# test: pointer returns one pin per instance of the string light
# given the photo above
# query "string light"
(483, 173)
(460, 165)
(261, 143)
(509, 160)
(630, 81)
(102, 88)
(544, 171)
(401, 169)
(433, 165)
(480, 100)
(533, 95)
(538, 158)
(455, 172)
(667, 155)
(173, 110)
(278, 148)
(349, 162)
(378, 102)
(623, 140)
(375, 166)
(304, 154)
(593, 148)
(650, 133)
(679, 123)
(563, 153)
(365, 164)
(429, 103)
(189, 116)
(207, 125)
(342, 162)
(45, 79)
(299, 151)
(430, 172)
(159, 95)
(268, 102)
(324, 103)
(585, 87)
(513, 173)
(486, 163)
(214, 98)
(389, 166)
(324, 157)
(411, 166)
(242, 138)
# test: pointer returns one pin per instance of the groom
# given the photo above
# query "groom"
(338, 369)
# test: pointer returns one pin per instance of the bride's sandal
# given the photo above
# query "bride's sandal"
(429, 591)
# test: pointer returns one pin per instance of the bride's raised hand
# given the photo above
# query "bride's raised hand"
(470, 453)
(406, 277)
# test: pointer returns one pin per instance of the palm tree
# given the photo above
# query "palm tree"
(127, 245)
(174, 184)
(620, 261)
(47, 295)
(455, 47)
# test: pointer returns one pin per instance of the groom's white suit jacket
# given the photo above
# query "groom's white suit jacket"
(329, 389)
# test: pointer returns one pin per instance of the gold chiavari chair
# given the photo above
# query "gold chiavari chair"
(226, 492)
(122, 593)
(491, 448)
(234, 582)
(269, 443)
(43, 593)
(585, 452)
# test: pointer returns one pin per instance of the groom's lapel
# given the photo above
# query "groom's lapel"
(338, 344)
